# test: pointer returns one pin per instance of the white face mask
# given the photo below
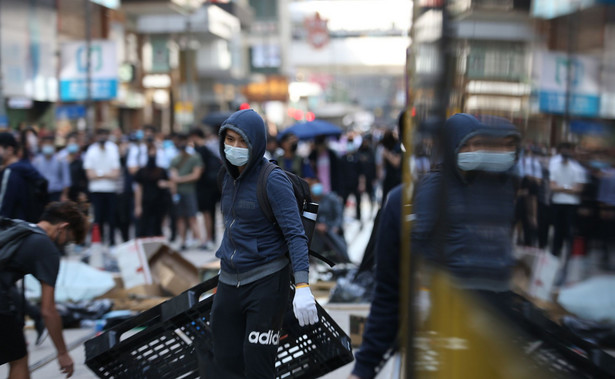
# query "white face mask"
(486, 161)
(238, 156)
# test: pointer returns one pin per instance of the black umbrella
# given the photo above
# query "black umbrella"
(215, 119)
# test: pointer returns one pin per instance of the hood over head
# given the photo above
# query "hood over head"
(463, 126)
(251, 127)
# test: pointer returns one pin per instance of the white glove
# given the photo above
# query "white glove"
(304, 306)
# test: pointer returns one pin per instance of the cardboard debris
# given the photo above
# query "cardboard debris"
(151, 272)
(132, 262)
(173, 272)
(357, 327)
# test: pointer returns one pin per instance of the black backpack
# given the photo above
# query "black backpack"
(301, 189)
(12, 234)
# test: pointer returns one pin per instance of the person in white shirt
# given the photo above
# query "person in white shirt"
(102, 167)
(567, 179)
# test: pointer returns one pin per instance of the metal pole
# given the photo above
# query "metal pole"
(571, 42)
(3, 118)
(188, 65)
(407, 264)
(88, 65)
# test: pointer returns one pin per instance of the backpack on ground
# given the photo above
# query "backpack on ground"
(301, 190)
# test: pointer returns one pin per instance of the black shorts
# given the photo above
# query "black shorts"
(11, 329)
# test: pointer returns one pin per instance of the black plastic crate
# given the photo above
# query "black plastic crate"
(175, 341)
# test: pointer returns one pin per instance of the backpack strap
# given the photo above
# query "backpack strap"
(263, 201)
(261, 191)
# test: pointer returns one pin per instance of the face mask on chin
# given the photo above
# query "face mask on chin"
(486, 161)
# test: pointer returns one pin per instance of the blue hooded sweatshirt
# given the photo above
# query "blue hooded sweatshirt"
(14, 194)
(471, 233)
(253, 247)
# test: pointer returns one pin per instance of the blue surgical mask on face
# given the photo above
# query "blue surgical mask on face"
(48, 150)
(238, 156)
(139, 135)
(317, 189)
(486, 161)
(72, 148)
(167, 144)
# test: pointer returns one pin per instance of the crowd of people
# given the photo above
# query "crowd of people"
(488, 190)
(143, 183)
(566, 199)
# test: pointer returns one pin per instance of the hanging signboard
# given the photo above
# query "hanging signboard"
(583, 86)
(103, 68)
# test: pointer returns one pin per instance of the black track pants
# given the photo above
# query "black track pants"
(246, 322)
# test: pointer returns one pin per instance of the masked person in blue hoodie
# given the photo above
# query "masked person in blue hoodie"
(256, 257)
(464, 212)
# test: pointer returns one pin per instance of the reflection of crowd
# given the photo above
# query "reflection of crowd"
(136, 183)
(565, 198)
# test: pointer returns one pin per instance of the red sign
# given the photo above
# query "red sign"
(318, 34)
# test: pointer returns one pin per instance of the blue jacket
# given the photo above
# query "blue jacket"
(471, 232)
(14, 196)
(252, 247)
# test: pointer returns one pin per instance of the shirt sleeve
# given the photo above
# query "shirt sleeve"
(197, 161)
(284, 206)
(133, 154)
(8, 198)
(383, 321)
(66, 180)
(115, 157)
(88, 162)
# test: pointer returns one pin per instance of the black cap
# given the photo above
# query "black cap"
(7, 139)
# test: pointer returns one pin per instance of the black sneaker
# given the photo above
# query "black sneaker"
(41, 332)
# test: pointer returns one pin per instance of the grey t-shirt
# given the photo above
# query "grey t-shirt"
(37, 255)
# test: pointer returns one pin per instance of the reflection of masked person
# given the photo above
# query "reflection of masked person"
(475, 194)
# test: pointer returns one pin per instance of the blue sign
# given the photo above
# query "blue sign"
(579, 105)
(76, 90)
(587, 127)
(70, 112)
(4, 121)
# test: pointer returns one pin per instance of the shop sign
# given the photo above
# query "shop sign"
(156, 81)
(584, 87)
(275, 88)
(317, 31)
(113, 4)
(548, 9)
(70, 112)
(160, 55)
(103, 68)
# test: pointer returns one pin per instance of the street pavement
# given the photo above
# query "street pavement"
(42, 360)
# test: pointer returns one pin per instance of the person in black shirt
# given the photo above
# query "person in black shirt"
(39, 255)
(391, 162)
(78, 190)
(367, 169)
(151, 193)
